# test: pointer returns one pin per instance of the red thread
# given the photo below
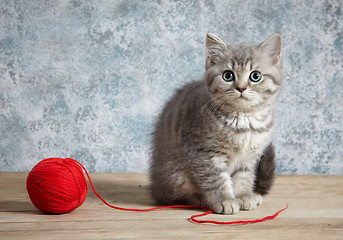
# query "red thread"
(193, 218)
(46, 187)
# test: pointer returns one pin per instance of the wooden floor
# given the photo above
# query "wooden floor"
(315, 212)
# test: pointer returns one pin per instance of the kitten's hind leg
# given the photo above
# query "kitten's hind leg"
(195, 200)
(265, 172)
(173, 188)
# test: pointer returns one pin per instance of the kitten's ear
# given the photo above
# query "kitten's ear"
(215, 47)
(272, 48)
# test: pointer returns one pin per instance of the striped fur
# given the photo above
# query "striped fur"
(212, 141)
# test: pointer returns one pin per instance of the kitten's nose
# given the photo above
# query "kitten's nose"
(241, 88)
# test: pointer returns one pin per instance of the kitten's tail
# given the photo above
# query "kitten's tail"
(265, 171)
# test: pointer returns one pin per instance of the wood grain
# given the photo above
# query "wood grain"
(315, 212)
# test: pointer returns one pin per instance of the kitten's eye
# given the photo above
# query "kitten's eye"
(228, 76)
(255, 76)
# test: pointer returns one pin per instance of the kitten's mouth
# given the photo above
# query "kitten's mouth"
(242, 97)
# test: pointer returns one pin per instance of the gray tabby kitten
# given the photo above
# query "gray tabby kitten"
(212, 142)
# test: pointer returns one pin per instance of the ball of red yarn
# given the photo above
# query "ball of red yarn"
(57, 185)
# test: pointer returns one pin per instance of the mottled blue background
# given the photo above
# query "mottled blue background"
(86, 79)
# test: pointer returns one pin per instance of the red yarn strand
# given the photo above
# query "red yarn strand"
(192, 218)
(132, 209)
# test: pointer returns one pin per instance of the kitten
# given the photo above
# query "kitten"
(212, 142)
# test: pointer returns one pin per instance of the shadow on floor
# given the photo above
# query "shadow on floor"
(121, 192)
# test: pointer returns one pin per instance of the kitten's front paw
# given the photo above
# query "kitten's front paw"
(251, 202)
(231, 206)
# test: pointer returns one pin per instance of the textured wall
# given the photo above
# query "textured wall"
(86, 79)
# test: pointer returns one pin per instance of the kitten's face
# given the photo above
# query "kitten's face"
(243, 77)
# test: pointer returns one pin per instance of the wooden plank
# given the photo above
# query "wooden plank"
(315, 212)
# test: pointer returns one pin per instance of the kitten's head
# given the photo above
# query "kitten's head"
(243, 77)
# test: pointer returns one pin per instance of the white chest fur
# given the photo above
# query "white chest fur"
(249, 146)
(248, 135)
